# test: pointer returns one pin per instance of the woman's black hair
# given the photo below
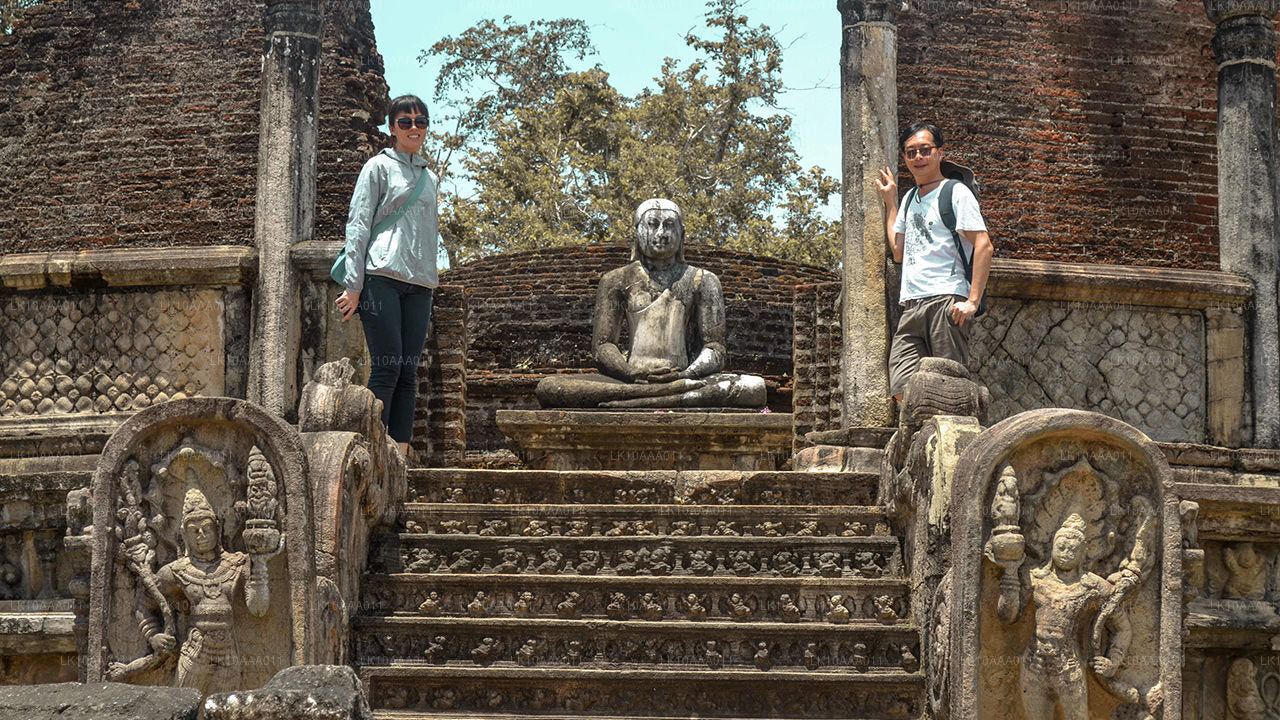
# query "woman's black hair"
(916, 127)
(411, 104)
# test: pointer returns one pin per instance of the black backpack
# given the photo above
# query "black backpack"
(957, 173)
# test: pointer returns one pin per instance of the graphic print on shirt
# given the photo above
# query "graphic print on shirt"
(916, 242)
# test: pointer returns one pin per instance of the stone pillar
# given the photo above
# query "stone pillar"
(1249, 185)
(869, 129)
(286, 194)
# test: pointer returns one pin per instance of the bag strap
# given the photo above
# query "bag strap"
(946, 208)
(394, 216)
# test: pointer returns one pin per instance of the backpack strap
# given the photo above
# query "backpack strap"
(947, 209)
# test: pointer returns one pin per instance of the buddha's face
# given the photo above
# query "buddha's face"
(660, 234)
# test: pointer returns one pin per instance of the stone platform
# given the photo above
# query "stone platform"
(647, 439)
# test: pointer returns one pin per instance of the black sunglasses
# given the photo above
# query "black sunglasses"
(405, 123)
(910, 153)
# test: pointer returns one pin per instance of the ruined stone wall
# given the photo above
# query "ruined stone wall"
(1091, 124)
(1161, 349)
(815, 396)
(132, 124)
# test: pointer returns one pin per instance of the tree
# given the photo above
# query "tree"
(11, 10)
(558, 156)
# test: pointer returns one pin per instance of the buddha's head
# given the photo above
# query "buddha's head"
(659, 231)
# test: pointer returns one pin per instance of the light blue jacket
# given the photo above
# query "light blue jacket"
(407, 250)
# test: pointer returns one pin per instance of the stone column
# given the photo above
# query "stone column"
(1249, 185)
(869, 129)
(286, 194)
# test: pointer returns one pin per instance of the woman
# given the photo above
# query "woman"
(392, 232)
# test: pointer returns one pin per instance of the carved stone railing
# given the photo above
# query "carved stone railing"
(221, 532)
(1046, 556)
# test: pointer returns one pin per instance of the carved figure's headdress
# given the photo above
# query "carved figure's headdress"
(195, 506)
(1074, 525)
(258, 465)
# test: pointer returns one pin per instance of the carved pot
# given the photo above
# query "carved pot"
(1007, 547)
(261, 537)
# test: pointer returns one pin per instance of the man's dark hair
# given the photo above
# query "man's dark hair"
(916, 127)
(410, 104)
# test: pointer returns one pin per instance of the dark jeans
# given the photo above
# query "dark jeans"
(395, 316)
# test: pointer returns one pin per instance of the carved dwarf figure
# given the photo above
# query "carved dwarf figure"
(1245, 576)
(675, 314)
(1244, 702)
(206, 581)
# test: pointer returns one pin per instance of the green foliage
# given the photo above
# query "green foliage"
(559, 157)
(11, 10)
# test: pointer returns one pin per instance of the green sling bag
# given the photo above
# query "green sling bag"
(339, 270)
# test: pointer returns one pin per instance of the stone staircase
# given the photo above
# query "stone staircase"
(638, 594)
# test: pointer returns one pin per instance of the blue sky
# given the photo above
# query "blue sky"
(632, 37)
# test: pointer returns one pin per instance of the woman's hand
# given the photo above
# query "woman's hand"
(887, 184)
(347, 303)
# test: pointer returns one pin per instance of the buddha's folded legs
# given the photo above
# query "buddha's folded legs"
(593, 390)
(720, 390)
(587, 391)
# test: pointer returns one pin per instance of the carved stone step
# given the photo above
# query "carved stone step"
(695, 647)
(457, 692)
(691, 487)
(692, 599)
(645, 520)
(725, 555)
(410, 715)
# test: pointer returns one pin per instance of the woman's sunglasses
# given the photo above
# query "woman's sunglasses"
(405, 123)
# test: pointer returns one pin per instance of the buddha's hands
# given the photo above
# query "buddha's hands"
(652, 370)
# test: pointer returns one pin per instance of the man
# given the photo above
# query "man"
(937, 301)
(675, 316)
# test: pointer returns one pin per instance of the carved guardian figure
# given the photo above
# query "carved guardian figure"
(207, 580)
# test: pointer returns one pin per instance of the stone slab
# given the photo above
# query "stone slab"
(98, 701)
(303, 692)
(647, 440)
(35, 633)
(119, 267)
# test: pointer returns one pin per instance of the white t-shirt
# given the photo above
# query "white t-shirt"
(930, 265)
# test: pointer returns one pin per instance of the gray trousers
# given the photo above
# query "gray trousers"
(926, 330)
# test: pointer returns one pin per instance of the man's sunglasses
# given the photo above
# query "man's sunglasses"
(405, 123)
(910, 153)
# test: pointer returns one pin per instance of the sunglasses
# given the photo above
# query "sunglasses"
(405, 123)
(924, 151)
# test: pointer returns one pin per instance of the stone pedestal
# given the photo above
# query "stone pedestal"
(1249, 184)
(869, 128)
(647, 440)
(286, 194)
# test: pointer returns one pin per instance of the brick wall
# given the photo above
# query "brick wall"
(439, 423)
(1092, 123)
(131, 124)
